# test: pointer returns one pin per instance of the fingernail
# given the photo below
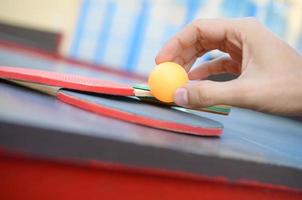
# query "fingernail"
(181, 96)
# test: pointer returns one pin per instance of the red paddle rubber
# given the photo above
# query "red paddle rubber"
(65, 81)
(137, 118)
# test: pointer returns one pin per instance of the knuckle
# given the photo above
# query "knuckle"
(205, 99)
(245, 92)
(200, 96)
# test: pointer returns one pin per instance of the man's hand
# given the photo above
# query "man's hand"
(270, 70)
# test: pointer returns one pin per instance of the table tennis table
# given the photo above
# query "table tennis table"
(46, 145)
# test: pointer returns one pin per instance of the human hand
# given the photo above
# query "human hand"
(270, 71)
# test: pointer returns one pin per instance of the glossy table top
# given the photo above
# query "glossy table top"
(255, 146)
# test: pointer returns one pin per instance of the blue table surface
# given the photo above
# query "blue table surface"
(248, 135)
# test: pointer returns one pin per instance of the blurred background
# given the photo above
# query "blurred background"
(127, 34)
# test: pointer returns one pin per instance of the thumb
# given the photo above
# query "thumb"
(209, 93)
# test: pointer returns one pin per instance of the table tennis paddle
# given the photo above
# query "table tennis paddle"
(87, 84)
(132, 109)
(147, 97)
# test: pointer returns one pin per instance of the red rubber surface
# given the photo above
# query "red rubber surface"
(137, 119)
(98, 86)
(55, 57)
(65, 80)
(36, 179)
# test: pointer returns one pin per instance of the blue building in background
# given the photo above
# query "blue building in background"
(128, 34)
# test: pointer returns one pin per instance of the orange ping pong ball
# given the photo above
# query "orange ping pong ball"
(165, 79)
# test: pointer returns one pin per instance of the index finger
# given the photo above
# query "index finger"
(196, 39)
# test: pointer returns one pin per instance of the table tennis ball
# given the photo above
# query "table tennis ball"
(165, 79)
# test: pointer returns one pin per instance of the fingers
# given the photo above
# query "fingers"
(217, 66)
(198, 38)
(176, 45)
(209, 93)
(189, 64)
(180, 53)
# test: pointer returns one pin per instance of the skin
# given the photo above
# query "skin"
(270, 71)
